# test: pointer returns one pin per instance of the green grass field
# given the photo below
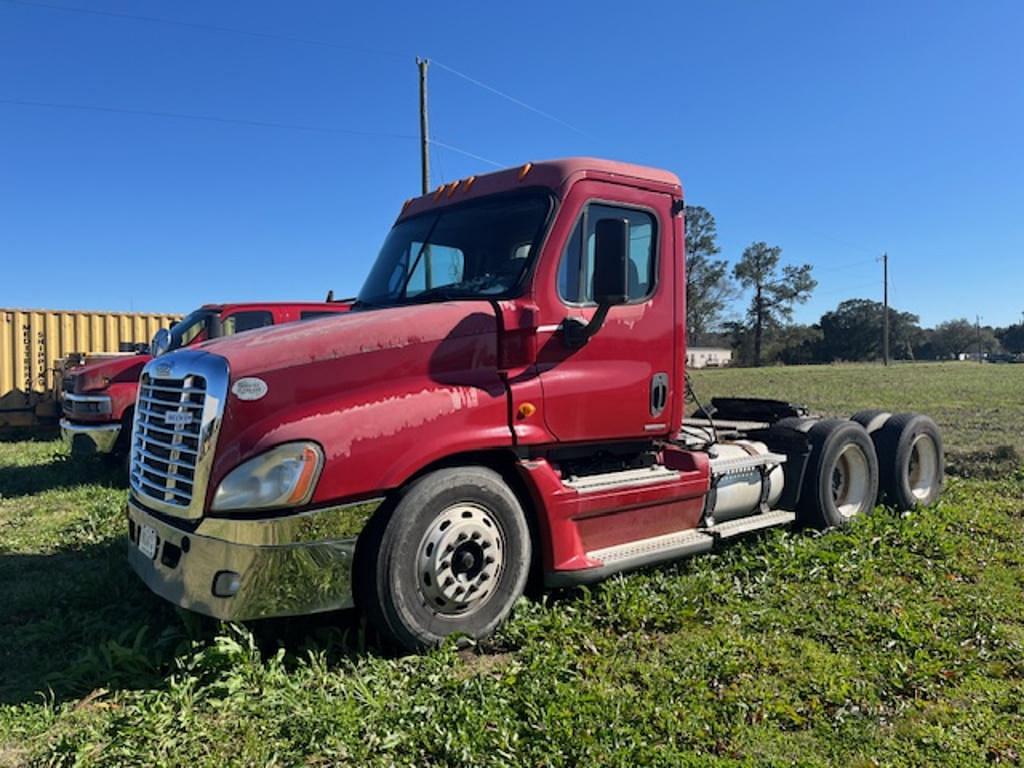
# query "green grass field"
(899, 641)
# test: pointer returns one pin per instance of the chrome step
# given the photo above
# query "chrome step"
(656, 548)
(660, 549)
(742, 525)
(621, 479)
(744, 464)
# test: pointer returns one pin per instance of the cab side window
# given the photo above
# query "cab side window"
(576, 269)
(246, 321)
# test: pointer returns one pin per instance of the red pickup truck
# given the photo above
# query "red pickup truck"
(98, 398)
(506, 397)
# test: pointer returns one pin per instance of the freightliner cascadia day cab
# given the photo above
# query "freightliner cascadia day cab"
(506, 397)
(98, 398)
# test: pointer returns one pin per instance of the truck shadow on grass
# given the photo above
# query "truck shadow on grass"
(78, 620)
(61, 472)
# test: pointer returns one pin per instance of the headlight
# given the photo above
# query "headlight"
(284, 476)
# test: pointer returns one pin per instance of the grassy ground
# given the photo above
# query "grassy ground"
(899, 641)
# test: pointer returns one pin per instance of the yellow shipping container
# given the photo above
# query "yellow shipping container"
(32, 341)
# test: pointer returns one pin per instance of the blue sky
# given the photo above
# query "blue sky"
(836, 131)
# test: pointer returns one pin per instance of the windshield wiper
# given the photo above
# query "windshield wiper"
(443, 292)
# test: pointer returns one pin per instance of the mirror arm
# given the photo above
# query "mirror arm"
(575, 334)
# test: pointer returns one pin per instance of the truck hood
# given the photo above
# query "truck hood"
(99, 375)
(353, 333)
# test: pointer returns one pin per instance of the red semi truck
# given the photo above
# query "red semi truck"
(507, 397)
(98, 398)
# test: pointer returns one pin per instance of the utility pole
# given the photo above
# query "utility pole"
(885, 310)
(977, 326)
(424, 128)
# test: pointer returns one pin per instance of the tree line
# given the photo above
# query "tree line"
(765, 332)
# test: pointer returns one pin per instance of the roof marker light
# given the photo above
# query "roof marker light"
(469, 183)
(438, 192)
(452, 187)
(525, 170)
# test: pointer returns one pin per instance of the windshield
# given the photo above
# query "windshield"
(186, 330)
(478, 250)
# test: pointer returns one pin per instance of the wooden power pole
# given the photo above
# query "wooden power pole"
(885, 310)
(424, 127)
(977, 327)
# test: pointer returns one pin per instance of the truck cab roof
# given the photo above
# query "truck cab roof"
(257, 305)
(556, 175)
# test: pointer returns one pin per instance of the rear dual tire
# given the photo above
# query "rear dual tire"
(841, 477)
(913, 465)
(910, 456)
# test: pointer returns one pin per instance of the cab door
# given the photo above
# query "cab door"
(620, 384)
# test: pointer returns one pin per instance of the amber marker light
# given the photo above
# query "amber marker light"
(469, 183)
(526, 410)
(438, 192)
(310, 464)
(525, 170)
(452, 187)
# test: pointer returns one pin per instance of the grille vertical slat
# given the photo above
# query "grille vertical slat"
(166, 439)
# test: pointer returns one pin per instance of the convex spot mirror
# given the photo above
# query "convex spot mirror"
(161, 342)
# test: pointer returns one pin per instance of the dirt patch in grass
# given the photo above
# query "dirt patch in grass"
(997, 463)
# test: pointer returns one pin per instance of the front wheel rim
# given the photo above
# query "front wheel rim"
(460, 559)
(923, 467)
(851, 481)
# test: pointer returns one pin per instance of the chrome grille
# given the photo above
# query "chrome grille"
(167, 435)
(177, 420)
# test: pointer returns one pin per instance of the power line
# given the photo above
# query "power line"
(207, 27)
(289, 39)
(847, 265)
(240, 121)
(452, 148)
(513, 99)
(205, 118)
(847, 289)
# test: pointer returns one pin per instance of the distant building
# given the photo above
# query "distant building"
(708, 357)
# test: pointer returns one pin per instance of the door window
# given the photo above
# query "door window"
(247, 321)
(576, 269)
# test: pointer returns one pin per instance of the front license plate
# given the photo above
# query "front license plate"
(147, 541)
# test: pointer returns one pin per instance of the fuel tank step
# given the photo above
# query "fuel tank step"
(621, 479)
(744, 464)
(655, 549)
(752, 523)
(660, 549)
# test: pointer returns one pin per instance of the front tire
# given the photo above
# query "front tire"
(841, 478)
(452, 558)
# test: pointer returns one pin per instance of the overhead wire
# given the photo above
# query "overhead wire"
(239, 121)
(204, 118)
(508, 97)
(206, 27)
(220, 28)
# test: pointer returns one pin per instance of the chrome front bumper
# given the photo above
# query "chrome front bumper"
(285, 566)
(97, 438)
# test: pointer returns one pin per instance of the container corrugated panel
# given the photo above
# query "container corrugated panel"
(32, 341)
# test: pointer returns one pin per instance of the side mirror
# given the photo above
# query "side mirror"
(161, 342)
(610, 279)
(214, 326)
(611, 262)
